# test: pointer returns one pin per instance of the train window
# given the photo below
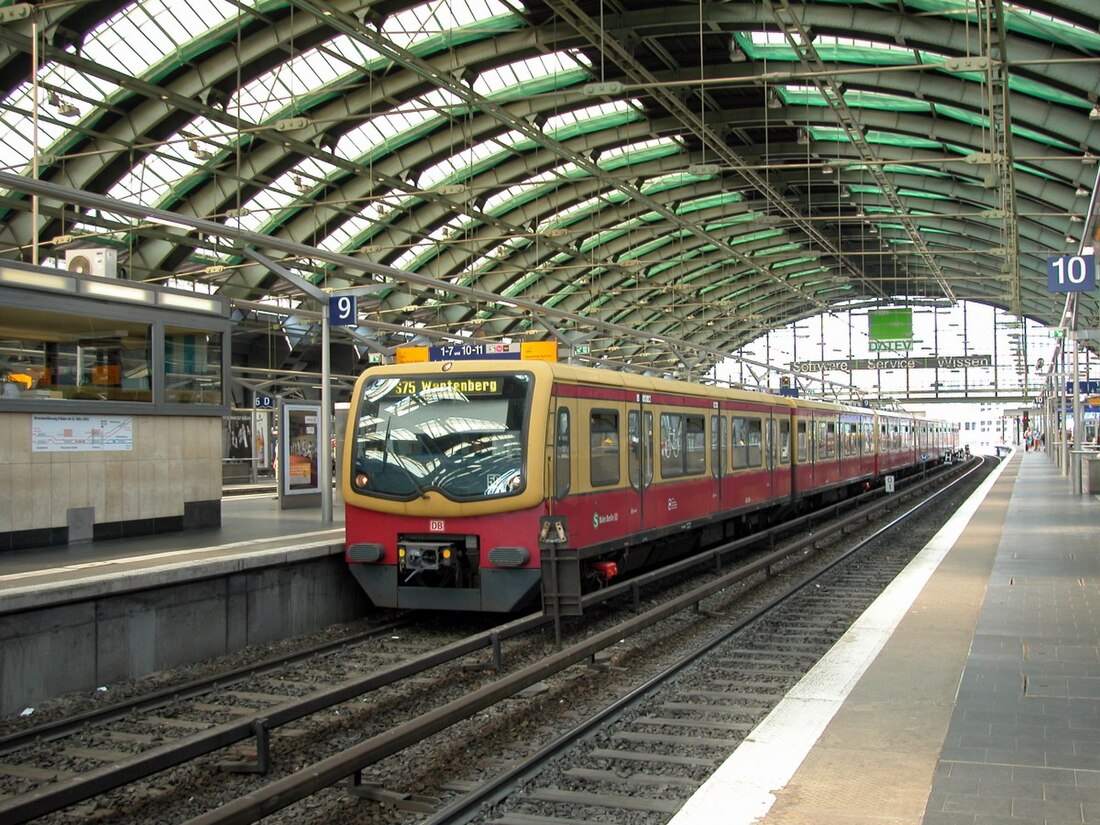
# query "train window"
(826, 438)
(724, 426)
(695, 445)
(647, 450)
(640, 459)
(603, 444)
(562, 455)
(746, 443)
(785, 441)
(848, 439)
(634, 447)
(672, 438)
(715, 450)
(803, 442)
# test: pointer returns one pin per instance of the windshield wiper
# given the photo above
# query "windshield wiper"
(386, 457)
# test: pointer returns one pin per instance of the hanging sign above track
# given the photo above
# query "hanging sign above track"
(943, 362)
(527, 351)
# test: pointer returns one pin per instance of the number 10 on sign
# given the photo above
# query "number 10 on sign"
(1071, 273)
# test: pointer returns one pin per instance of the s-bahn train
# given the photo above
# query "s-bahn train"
(464, 479)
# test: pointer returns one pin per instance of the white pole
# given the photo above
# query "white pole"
(325, 466)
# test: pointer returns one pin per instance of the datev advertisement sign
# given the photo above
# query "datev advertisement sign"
(943, 362)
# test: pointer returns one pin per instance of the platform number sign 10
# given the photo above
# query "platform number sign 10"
(1071, 273)
(342, 311)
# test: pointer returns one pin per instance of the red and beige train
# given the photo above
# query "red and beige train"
(462, 477)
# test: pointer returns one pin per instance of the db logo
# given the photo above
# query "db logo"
(437, 525)
(672, 505)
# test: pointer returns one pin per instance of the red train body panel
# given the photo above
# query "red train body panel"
(459, 476)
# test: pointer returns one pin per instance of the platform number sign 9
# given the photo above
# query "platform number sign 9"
(1071, 273)
(342, 311)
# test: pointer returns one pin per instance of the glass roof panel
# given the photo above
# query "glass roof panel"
(616, 157)
(578, 122)
(535, 75)
(709, 202)
(386, 132)
(284, 88)
(162, 177)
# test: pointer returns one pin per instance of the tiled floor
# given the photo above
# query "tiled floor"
(1023, 744)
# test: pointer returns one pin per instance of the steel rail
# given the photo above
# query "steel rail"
(350, 762)
(497, 788)
(55, 796)
(61, 727)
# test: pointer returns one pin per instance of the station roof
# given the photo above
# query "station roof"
(659, 181)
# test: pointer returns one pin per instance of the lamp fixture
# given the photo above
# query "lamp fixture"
(803, 137)
(1070, 239)
(1081, 192)
(1095, 113)
(1089, 159)
(1075, 219)
(826, 169)
(737, 54)
(64, 107)
(774, 100)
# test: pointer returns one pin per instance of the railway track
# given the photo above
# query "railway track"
(412, 718)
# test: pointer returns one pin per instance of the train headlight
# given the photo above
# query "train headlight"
(362, 480)
(446, 554)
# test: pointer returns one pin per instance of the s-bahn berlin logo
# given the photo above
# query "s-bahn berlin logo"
(597, 519)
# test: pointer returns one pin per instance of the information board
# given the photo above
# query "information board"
(81, 433)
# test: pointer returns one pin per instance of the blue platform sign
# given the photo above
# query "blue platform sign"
(342, 311)
(1071, 273)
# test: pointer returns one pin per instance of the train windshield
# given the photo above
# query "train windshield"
(461, 435)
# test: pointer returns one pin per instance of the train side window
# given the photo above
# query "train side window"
(826, 438)
(562, 455)
(695, 445)
(634, 447)
(740, 443)
(647, 450)
(724, 426)
(803, 441)
(755, 439)
(715, 450)
(603, 444)
(672, 443)
(785, 441)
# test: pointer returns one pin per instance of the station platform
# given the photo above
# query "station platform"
(251, 520)
(968, 693)
(88, 615)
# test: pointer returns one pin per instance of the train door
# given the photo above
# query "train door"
(561, 454)
(639, 424)
(769, 454)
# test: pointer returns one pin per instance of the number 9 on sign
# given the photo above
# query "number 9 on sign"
(1071, 273)
(342, 311)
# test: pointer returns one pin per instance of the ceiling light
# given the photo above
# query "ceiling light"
(774, 100)
(1075, 219)
(737, 54)
(1095, 113)
(826, 169)
(803, 137)
(1089, 159)
(1081, 192)
(1070, 239)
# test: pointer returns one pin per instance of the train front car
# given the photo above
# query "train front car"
(444, 484)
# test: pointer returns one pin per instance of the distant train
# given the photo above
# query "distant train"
(465, 479)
